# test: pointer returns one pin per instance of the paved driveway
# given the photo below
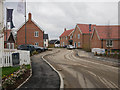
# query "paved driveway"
(43, 75)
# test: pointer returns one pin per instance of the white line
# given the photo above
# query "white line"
(61, 79)
(98, 63)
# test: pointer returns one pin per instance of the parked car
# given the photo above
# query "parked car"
(65, 46)
(57, 45)
(38, 49)
(45, 48)
(70, 47)
(27, 47)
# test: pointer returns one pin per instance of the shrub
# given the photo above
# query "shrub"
(34, 52)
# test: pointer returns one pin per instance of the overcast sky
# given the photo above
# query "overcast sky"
(53, 16)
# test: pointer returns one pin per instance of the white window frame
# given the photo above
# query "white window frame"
(36, 34)
(8, 45)
(12, 45)
(71, 37)
(108, 43)
(36, 44)
(63, 44)
(78, 36)
(66, 37)
(78, 44)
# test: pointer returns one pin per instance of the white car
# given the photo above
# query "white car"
(70, 47)
(57, 45)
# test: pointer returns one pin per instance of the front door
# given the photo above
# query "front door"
(75, 44)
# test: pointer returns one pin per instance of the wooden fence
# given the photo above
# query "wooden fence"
(7, 60)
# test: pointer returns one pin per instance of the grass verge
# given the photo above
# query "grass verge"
(9, 70)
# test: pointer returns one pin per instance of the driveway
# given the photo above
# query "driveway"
(43, 76)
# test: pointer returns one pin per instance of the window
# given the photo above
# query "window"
(61, 38)
(36, 43)
(45, 40)
(78, 44)
(78, 36)
(36, 33)
(75, 35)
(8, 45)
(70, 37)
(66, 37)
(109, 43)
(63, 43)
(12, 45)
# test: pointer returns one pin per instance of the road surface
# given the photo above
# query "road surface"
(79, 72)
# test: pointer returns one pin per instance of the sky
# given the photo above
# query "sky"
(55, 15)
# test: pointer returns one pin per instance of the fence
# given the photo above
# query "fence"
(7, 59)
(1, 47)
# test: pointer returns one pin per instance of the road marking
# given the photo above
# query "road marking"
(95, 63)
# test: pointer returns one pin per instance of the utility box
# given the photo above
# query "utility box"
(15, 59)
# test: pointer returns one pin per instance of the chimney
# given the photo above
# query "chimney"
(29, 16)
(64, 29)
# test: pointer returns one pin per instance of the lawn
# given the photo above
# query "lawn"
(9, 70)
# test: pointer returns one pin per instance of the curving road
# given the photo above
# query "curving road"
(83, 72)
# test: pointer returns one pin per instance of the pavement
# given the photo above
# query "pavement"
(43, 76)
(79, 72)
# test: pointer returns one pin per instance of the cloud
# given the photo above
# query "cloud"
(53, 17)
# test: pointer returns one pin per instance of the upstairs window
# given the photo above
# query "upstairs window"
(66, 37)
(36, 34)
(109, 43)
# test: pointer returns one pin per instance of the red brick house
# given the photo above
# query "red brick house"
(34, 34)
(9, 40)
(66, 37)
(107, 37)
(81, 35)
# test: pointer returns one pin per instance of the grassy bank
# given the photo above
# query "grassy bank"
(9, 70)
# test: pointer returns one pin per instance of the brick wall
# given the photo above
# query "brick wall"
(76, 39)
(31, 27)
(96, 43)
(86, 41)
(66, 41)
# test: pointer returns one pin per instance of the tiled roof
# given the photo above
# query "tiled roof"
(108, 32)
(66, 33)
(85, 28)
(8, 34)
(52, 41)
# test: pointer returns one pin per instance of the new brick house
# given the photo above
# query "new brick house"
(81, 35)
(107, 37)
(66, 37)
(34, 34)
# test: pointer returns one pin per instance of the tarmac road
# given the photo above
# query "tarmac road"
(83, 72)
